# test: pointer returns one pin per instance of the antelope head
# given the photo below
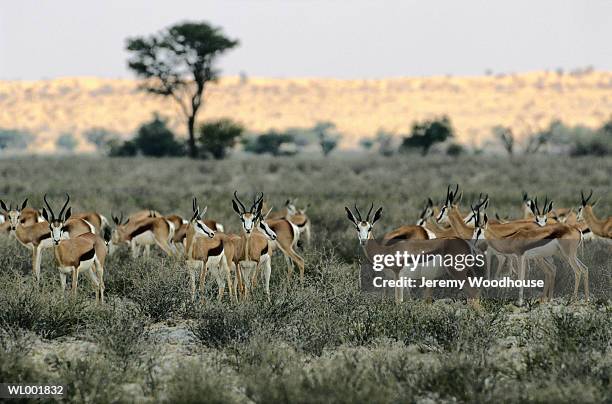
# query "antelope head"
(482, 204)
(426, 213)
(264, 228)
(56, 223)
(584, 203)
(480, 224)
(290, 206)
(118, 233)
(249, 218)
(541, 216)
(13, 213)
(363, 227)
(451, 199)
(197, 222)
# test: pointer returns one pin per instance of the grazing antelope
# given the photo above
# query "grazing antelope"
(601, 227)
(145, 232)
(253, 252)
(206, 250)
(419, 244)
(82, 252)
(536, 242)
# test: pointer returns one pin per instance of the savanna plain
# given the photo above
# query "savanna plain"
(325, 340)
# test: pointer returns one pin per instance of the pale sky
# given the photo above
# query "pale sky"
(312, 38)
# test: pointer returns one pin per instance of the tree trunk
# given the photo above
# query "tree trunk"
(193, 152)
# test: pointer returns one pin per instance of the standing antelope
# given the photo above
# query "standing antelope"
(287, 236)
(206, 250)
(536, 242)
(146, 232)
(419, 244)
(253, 252)
(181, 226)
(601, 227)
(76, 251)
(296, 216)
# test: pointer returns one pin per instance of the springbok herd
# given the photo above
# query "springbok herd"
(82, 241)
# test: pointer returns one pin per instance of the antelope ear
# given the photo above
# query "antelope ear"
(429, 202)
(68, 213)
(596, 202)
(236, 208)
(287, 202)
(266, 215)
(115, 220)
(24, 204)
(45, 214)
(350, 215)
(377, 215)
(201, 215)
(3, 205)
(550, 206)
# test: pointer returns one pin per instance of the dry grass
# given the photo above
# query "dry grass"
(324, 342)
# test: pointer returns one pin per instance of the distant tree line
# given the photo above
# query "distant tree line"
(214, 139)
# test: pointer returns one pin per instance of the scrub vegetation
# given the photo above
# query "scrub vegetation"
(324, 341)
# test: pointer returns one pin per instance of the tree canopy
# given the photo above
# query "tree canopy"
(178, 62)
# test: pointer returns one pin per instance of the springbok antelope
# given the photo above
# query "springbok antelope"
(420, 244)
(287, 236)
(81, 252)
(463, 230)
(601, 227)
(561, 215)
(295, 215)
(253, 252)
(182, 225)
(23, 215)
(288, 211)
(537, 242)
(98, 221)
(145, 232)
(206, 250)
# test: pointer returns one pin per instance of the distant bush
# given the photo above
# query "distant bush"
(328, 137)
(216, 138)
(455, 149)
(427, 133)
(155, 139)
(271, 142)
(118, 148)
(385, 143)
(15, 139)
(66, 142)
(597, 143)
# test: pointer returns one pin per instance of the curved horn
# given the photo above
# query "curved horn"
(194, 204)
(239, 202)
(256, 201)
(49, 207)
(64, 207)
(588, 198)
(358, 213)
(369, 212)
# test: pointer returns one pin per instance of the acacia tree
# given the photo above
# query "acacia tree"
(178, 62)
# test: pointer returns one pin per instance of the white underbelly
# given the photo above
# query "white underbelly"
(146, 238)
